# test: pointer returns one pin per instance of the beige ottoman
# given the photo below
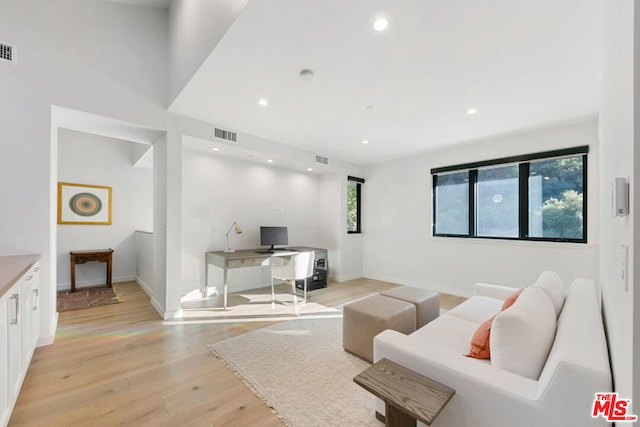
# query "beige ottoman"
(427, 302)
(364, 319)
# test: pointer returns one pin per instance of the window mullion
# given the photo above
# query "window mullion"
(473, 179)
(523, 200)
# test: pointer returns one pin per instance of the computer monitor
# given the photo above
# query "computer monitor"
(270, 236)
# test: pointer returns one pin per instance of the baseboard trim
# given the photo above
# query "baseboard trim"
(159, 308)
(166, 315)
(144, 286)
(96, 282)
(346, 277)
(49, 338)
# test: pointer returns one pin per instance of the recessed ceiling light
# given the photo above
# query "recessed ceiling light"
(269, 161)
(380, 24)
(471, 111)
(306, 74)
(364, 141)
(310, 169)
(263, 102)
(215, 149)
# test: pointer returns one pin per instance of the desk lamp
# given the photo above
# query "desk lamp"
(238, 230)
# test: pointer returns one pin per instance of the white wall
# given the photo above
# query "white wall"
(95, 56)
(618, 135)
(345, 250)
(216, 191)
(329, 199)
(144, 261)
(634, 251)
(195, 28)
(397, 215)
(97, 160)
(345, 257)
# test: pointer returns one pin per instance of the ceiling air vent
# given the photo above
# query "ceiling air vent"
(7, 53)
(227, 135)
(323, 160)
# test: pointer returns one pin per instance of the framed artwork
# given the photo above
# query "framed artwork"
(84, 204)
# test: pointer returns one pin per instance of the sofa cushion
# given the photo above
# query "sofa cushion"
(448, 332)
(512, 298)
(554, 288)
(477, 309)
(522, 335)
(480, 342)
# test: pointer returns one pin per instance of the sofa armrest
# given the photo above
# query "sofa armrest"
(486, 396)
(494, 291)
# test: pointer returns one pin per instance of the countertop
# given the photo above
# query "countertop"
(12, 268)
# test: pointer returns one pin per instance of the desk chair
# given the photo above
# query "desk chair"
(299, 267)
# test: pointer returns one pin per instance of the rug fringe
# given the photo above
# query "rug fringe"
(255, 391)
(118, 298)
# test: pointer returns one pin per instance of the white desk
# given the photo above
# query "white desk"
(244, 258)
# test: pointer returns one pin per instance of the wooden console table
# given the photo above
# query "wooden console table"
(81, 257)
(408, 396)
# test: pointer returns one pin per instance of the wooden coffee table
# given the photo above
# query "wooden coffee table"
(408, 396)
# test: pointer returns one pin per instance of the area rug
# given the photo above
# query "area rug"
(300, 369)
(86, 298)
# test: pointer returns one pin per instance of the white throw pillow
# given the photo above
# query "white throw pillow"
(522, 335)
(554, 287)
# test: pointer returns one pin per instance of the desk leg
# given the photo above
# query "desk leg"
(225, 288)
(73, 275)
(206, 277)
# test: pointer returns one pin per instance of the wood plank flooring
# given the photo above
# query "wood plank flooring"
(122, 364)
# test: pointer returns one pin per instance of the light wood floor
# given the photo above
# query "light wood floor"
(123, 365)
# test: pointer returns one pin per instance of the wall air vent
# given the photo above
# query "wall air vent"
(7, 53)
(323, 160)
(227, 135)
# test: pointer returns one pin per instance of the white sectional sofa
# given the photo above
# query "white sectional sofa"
(536, 376)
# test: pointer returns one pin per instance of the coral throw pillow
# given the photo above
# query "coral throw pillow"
(480, 345)
(512, 298)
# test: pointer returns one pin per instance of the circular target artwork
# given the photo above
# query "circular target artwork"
(85, 204)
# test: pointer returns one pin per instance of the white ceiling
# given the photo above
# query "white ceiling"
(163, 4)
(522, 64)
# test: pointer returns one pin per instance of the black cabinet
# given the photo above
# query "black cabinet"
(320, 270)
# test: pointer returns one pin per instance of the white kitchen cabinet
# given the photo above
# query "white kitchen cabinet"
(34, 309)
(4, 382)
(14, 346)
(30, 313)
(19, 325)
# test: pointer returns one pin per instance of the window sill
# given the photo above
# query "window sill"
(501, 242)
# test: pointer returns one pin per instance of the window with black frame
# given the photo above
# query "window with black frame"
(541, 196)
(354, 204)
